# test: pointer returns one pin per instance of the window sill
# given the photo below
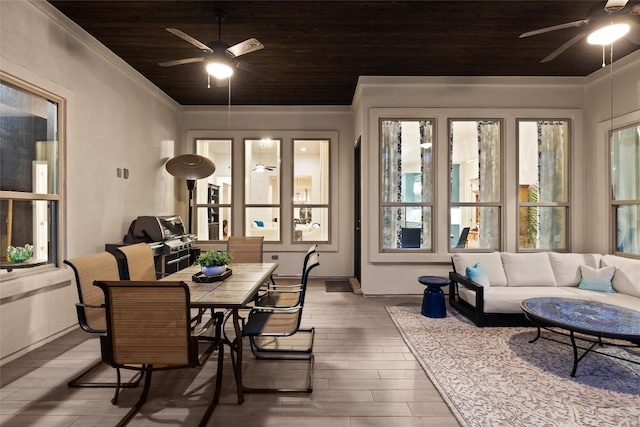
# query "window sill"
(18, 283)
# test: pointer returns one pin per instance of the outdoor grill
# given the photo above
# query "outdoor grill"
(173, 248)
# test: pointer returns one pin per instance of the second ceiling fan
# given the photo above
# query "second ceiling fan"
(220, 57)
(607, 14)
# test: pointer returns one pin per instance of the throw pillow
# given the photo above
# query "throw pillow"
(478, 275)
(597, 279)
(259, 223)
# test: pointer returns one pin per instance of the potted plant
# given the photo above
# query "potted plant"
(214, 263)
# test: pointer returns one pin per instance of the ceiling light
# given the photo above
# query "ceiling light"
(219, 70)
(266, 143)
(609, 34)
(259, 168)
(426, 145)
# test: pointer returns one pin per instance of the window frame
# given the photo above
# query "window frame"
(57, 239)
(615, 204)
(566, 204)
(499, 204)
(430, 204)
(326, 206)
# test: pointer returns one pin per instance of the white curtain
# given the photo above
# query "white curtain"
(551, 183)
(391, 147)
(489, 182)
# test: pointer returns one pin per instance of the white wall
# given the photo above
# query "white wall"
(115, 119)
(600, 117)
(451, 97)
(287, 123)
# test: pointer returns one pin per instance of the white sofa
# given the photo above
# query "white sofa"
(267, 229)
(514, 277)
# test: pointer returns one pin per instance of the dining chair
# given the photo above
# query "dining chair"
(139, 262)
(286, 295)
(148, 329)
(275, 333)
(90, 308)
(245, 248)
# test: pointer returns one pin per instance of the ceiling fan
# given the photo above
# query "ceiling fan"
(620, 11)
(219, 56)
(260, 167)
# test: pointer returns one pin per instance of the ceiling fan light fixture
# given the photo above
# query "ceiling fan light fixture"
(259, 168)
(220, 70)
(609, 34)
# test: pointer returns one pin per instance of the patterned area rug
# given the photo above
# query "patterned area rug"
(495, 377)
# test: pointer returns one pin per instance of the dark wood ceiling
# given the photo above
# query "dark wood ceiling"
(316, 50)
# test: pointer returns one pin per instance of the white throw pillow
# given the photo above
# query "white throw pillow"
(530, 269)
(491, 263)
(627, 277)
(566, 267)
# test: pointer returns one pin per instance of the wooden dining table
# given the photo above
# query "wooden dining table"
(233, 293)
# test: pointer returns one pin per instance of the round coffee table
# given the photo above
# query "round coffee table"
(591, 318)
(433, 304)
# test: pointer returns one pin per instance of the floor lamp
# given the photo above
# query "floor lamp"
(190, 167)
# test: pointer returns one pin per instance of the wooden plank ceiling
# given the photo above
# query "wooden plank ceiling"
(316, 50)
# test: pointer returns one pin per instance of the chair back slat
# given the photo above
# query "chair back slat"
(139, 261)
(148, 323)
(245, 248)
(88, 269)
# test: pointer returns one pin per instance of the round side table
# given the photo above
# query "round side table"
(433, 304)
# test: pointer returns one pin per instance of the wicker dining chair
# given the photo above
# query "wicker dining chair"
(90, 308)
(275, 333)
(139, 262)
(149, 329)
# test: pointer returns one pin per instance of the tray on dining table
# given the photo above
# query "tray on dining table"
(200, 277)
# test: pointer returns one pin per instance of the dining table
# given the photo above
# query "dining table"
(232, 292)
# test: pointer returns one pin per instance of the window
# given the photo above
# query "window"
(625, 183)
(311, 190)
(31, 140)
(475, 176)
(213, 194)
(543, 177)
(262, 188)
(406, 184)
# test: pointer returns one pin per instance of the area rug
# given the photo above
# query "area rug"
(337, 286)
(495, 377)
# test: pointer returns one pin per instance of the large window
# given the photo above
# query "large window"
(30, 170)
(625, 183)
(311, 190)
(262, 188)
(475, 176)
(543, 180)
(213, 194)
(406, 184)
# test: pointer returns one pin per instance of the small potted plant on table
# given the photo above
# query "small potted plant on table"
(214, 263)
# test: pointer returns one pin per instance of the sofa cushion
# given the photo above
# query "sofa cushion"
(627, 277)
(528, 269)
(566, 267)
(491, 263)
(623, 300)
(478, 275)
(507, 299)
(597, 279)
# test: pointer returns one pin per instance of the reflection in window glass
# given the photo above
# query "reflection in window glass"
(311, 190)
(406, 149)
(213, 193)
(543, 156)
(625, 182)
(475, 153)
(29, 169)
(262, 188)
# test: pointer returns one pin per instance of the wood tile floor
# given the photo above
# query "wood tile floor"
(364, 376)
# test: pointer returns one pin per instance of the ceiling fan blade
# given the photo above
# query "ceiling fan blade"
(186, 37)
(247, 46)
(615, 5)
(254, 70)
(634, 34)
(555, 27)
(564, 47)
(180, 62)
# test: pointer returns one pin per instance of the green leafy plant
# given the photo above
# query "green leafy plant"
(214, 258)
